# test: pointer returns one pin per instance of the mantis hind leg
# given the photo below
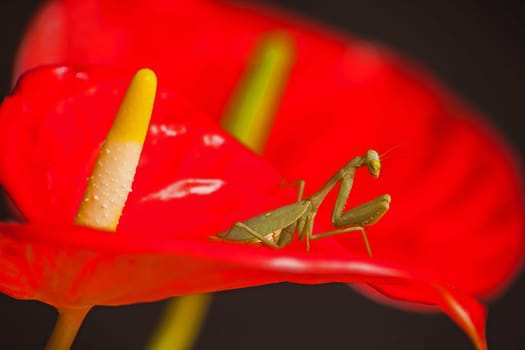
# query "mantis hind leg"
(300, 188)
(256, 234)
(344, 230)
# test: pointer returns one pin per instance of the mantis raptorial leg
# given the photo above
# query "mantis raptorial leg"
(278, 227)
(356, 218)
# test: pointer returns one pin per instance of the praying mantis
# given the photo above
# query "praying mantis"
(277, 228)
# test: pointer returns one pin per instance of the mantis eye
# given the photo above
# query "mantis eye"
(374, 164)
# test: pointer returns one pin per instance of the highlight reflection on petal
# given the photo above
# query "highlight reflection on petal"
(166, 130)
(185, 188)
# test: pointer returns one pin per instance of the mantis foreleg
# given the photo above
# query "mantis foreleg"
(365, 214)
(354, 219)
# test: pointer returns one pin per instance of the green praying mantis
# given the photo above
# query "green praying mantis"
(277, 228)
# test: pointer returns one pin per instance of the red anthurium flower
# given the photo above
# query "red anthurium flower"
(457, 193)
(457, 196)
(187, 186)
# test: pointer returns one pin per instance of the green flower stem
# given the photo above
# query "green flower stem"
(250, 114)
(181, 323)
(66, 328)
(249, 118)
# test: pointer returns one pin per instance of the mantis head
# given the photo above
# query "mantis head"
(373, 163)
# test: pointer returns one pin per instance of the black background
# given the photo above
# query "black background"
(476, 48)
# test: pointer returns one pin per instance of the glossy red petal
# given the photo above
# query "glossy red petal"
(192, 177)
(457, 194)
(66, 266)
(161, 249)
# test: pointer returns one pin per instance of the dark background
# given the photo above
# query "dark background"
(476, 48)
